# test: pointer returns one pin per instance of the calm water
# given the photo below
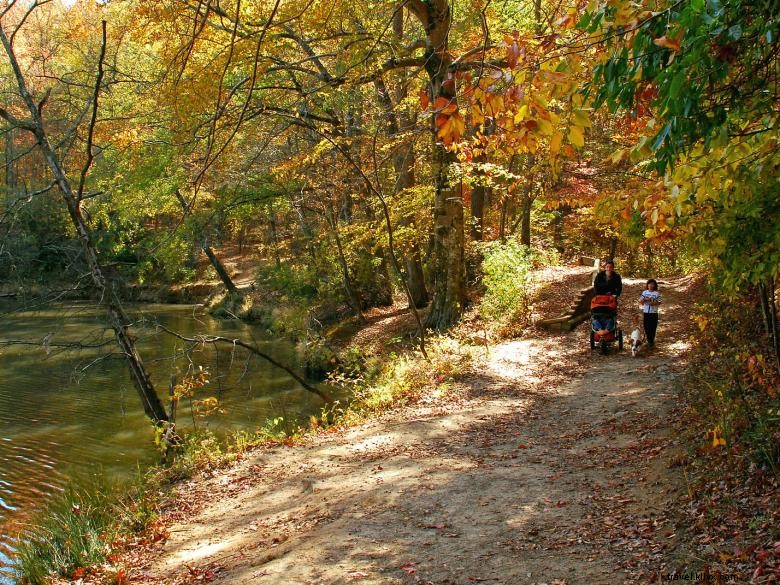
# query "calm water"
(67, 415)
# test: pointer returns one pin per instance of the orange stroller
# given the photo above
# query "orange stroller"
(604, 328)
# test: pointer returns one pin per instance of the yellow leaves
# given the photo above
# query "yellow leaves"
(205, 407)
(555, 143)
(477, 116)
(494, 104)
(581, 118)
(576, 136)
(545, 127)
(701, 321)
(619, 155)
(522, 113)
(715, 436)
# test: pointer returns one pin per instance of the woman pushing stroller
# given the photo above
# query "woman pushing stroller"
(604, 329)
(609, 281)
(606, 283)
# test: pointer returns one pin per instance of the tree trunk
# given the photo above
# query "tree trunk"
(216, 263)
(415, 279)
(763, 298)
(773, 320)
(11, 175)
(116, 316)
(479, 196)
(220, 269)
(613, 243)
(403, 164)
(449, 271)
(349, 289)
(448, 262)
(525, 220)
(477, 212)
(274, 233)
(502, 219)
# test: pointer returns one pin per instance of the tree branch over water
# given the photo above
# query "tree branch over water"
(203, 339)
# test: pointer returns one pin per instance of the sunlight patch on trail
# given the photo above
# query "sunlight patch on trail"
(185, 556)
(512, 360)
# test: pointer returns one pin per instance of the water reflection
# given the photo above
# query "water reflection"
(65, 414)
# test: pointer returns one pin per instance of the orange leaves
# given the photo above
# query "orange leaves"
(450, 124)
(569, 20)
(512, 50)
(425, 99)
(671, 43)
(446, 106)
(79, 573)
(450, 128)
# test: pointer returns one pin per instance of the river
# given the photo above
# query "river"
(68, 415)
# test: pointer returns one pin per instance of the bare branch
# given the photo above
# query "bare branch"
(7, 8)
(91, 130)
(251, 348)
(16, 122)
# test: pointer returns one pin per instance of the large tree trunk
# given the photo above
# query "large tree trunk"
(449, 271)
(448, 262)
(106, 292)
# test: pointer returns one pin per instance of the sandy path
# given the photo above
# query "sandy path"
(548, 464)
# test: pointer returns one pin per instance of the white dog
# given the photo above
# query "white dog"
(636, 341)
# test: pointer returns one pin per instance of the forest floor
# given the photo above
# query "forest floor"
(544, 463)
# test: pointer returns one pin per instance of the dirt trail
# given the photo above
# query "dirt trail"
(549, 464)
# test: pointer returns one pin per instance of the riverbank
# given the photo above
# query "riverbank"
(539, 462)
(529, 460)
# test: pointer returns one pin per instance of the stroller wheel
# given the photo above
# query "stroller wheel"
(592, 340)
(620, 339)
(603, 346)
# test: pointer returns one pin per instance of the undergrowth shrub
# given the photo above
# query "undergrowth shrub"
(734, 383)
(507, 270)
(408, 376)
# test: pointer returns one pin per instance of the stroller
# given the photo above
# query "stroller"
(603, 311)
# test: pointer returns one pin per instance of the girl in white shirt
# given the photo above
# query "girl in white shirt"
(650, 300)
